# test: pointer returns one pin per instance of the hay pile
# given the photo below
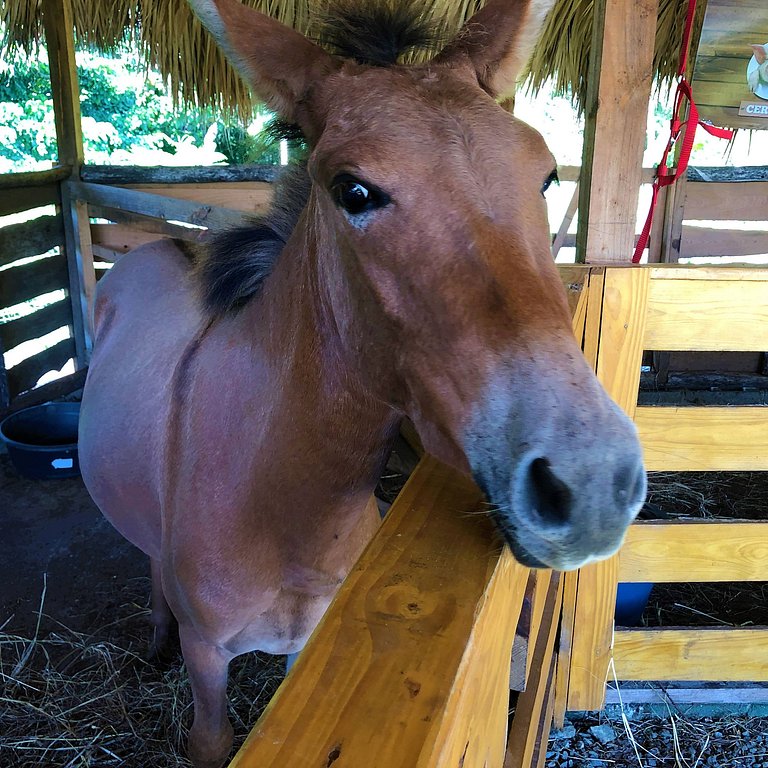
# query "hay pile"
(71, 699)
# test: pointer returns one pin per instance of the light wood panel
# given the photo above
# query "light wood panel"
(708, 315)
(706, 242)
(414, 651)
(727, 201)
(719, 653)
(727, 439)
(248, 196)
(695, 551)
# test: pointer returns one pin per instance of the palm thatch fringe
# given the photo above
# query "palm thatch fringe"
(174, 42)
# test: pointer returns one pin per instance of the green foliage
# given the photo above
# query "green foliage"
(128, 117)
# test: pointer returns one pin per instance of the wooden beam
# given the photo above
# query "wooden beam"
(25, 375)
(117, 175)
(51, 391)
(620, 71)
(694, 551)
(30, 238)
(37, 324)
(726, 201)
(157, 206)
(683, 697)
(251, 197)
(26, 198)
(59, 28)
(415, 647)
(714, 653)
(704, 438)
(21, 284)
(35, 178)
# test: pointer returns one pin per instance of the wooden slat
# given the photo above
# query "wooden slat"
(35, 178)
(25, 375)
(726, 272)
(617, 103)
(157, 206)
(695, 551)
(118, 175)
(726, 201)
(30, 238)
(19, 284)
(416, 657)
(120, 238)
(529, 723)
(26, 198)
(563, 670)
(728, 439)
(252, 197)
(50, 391)
(707, 242)
(720, 653)
(708, 315)
(37, 324)
(618, 368)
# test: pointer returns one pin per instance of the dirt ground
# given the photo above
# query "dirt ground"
(54, 539)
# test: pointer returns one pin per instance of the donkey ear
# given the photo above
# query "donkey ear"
(761, 53)
(498, 41)
(277, 62)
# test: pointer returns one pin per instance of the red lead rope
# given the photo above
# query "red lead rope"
(685, 128)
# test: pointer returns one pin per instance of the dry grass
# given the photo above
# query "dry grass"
(175, 42)
(71, 699)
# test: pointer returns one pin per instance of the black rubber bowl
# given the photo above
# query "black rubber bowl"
(42, 440)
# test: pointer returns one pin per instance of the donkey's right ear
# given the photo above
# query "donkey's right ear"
(278, 63)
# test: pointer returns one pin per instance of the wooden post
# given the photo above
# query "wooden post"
(621, 67)
(59, 34)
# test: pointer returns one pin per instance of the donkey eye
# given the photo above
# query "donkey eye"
(552, 178)
(355, 196)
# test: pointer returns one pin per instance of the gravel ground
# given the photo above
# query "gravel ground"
(677, 742)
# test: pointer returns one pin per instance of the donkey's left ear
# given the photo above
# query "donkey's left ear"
(498, 41)
(278, 63)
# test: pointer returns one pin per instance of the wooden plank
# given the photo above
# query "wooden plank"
(60, 44)
(253, 197)
(703, 241)
(157, 206)
(545, 725)
(619, 88)
(683, 697)
(26, 198)
(35, 178)
(50, 391)
(522, 646)
(25, 375)
(563, 670)
(727, 201)
(20, 284)
(117, 175)
(728, 439)
(594, 316)
(717, 653)
(619, 360)
(408, 643)
(530, 712)
(123, 238)
(707, 315)
(37, 324)
(30, 238)
(134, 222)
(727, 272)
(695, 551)
(82, 276)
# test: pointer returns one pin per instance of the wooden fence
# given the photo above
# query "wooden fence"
(671, 308)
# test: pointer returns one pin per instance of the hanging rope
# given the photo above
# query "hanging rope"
(683, 131)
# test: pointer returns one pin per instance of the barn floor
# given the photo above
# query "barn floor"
(56, 542)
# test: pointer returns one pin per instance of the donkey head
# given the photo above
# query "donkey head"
(428, 233)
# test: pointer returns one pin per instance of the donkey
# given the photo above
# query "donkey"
(240, 406)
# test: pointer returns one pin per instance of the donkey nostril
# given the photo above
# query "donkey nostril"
(630, 486)
(551, 498)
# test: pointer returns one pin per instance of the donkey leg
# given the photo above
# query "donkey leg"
(210, 738)
(161, 617)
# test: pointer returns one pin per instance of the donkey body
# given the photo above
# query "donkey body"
(238, 412)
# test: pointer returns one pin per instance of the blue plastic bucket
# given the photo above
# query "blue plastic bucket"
(42, 440)
(631, 600)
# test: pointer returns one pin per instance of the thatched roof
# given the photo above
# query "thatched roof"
(174, 42)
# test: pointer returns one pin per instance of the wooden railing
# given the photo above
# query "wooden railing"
(671, 308)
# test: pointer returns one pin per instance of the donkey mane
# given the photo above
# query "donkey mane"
(232, 267)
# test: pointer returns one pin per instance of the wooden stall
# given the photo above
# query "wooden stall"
(670, 308)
